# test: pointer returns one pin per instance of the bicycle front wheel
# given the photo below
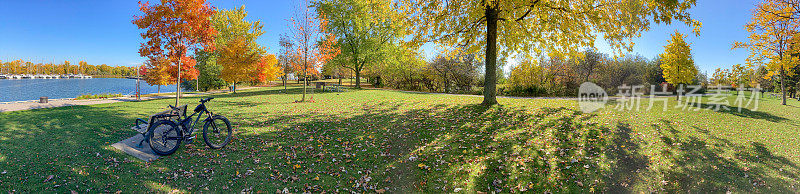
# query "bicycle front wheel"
(217, 132)
(165, 137)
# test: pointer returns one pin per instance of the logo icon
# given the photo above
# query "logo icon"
(591, 97)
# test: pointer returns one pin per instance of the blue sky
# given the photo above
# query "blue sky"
(723, 23)
(101, 32)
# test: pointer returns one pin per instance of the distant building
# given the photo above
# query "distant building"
(290, 76)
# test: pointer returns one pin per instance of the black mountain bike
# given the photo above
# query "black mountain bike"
(166, 135)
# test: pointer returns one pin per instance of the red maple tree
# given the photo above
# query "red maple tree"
(172, 29)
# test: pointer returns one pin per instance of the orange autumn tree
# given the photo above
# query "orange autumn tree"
(314, 45)
(172, 29)
(241, 64)
(268, 69)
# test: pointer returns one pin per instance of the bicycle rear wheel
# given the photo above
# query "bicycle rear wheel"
(165, 137)
(217, 132)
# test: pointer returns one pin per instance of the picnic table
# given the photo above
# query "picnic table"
(320, 85)
(336, 88)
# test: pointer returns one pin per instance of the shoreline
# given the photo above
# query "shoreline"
(63, 102)
(26, 90)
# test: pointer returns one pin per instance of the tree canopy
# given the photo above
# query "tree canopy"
(677, 62)
(231, 24)
(772, 33)
(238, 62)
(172, 29)
(241, 57)
(314, 45)
(364, 29)
(522, 27)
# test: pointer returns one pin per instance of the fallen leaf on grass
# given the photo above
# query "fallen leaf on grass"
(48, 178)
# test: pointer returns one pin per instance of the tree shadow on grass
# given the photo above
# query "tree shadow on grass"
(389, 146)
(503, 149)
(69, 143)
(407, 147)
(629, 163)
(744, 112)
(707, 163)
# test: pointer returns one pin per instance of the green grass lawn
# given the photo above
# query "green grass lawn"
(376, 141)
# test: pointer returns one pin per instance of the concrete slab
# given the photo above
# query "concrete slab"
(130, 146)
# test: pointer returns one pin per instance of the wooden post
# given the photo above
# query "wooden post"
(138, 77)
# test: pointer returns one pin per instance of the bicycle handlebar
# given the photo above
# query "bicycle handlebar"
(204, 100)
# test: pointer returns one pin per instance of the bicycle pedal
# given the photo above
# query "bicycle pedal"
(190, 139)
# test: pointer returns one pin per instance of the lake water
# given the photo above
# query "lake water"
(32, 89)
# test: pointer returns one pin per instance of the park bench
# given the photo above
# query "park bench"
(336, 88)
(142, 126)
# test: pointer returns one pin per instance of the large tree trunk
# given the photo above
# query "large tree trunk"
(489, 87)
(783, 86)
(234, 87)
(783, 81)
(358, 79)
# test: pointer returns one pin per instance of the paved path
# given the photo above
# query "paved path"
(29, 105)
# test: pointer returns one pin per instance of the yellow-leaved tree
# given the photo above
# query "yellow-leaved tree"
(720, 77)
(238, 61)
(527, 74)
(677, 62)
(526, 27)
(771, 28)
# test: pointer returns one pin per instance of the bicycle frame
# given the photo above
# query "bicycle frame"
(188, 130)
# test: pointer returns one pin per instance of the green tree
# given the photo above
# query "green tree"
(210, 71)
(533, 26)
(677, 62)
(364, 29)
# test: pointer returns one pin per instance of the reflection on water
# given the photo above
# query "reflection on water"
(32, 89)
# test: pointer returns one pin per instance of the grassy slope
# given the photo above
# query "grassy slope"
(370, 140)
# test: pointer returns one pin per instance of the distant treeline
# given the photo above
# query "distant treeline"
(27, 67)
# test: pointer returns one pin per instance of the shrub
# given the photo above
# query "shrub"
(97, 96)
